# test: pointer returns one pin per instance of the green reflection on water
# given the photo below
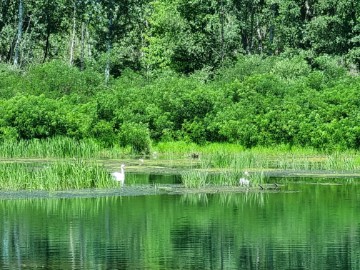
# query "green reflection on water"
(315, 228)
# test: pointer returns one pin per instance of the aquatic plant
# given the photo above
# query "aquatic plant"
(57, 175)
(59, 147)
(224, 177)
(257, 177)
(194, 178)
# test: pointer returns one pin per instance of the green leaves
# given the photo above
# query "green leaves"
(259, 101)
(137, 136)
(41, 117)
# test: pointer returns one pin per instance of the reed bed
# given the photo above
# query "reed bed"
(256, 160)
(58, 175)
(194, 178)
(214, 155)
(59, 147)
(215, 163)
(230, 164)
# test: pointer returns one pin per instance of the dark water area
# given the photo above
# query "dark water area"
(317, 227)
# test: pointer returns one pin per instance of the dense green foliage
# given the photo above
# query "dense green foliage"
(256, 102)
(255, 73)
(182, 35)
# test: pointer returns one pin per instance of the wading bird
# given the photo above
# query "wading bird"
(120, 176)
(244, 181)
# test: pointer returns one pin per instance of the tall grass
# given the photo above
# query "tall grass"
(227, 162)
(59, 147)
(194, 178)
(59, 175)
(230, 163)
(277, 158)
(214, 155)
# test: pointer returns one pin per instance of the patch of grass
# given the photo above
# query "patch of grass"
(225, 178)
(213, 163)
(194, 178)
(58, 175)
(59, 147)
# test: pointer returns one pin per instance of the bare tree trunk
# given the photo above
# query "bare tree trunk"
(26, 54)
(47, 43)
(107, 66)
(307, 10)
(82, 53)
(222, 39)
(72, 42)
(19, 34)
(89, 53)
(251, 38)
(108, 53)
(260, 36)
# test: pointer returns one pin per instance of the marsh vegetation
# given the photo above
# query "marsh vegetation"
(60, 164)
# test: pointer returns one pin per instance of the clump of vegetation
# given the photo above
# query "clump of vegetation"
(57, 175)
(194, 178)
(136, 136)
(267, 107)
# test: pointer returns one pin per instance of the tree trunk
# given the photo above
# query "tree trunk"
(108, 53)
(260, 36)
(19, 34)
(107, 65)
(47, 43)
(82, 53)
(72, 42)
(251, 34)
(222, 39)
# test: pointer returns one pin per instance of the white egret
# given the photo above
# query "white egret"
(120, 176)
(244, 181)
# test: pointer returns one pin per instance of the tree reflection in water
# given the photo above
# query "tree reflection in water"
(311, 229)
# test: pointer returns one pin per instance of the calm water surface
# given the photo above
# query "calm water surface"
(317, 227)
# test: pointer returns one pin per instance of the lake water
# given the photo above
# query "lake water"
(315, 227)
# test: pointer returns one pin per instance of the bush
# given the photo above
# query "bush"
(9, 81)
(41, 117)
(104, 133)
(137, 136)
(56, 79)
(32, 116)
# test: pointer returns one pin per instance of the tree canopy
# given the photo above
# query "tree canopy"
(130, 72)
(182, 35)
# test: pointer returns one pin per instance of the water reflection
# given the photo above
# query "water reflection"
(140, 178)
(316, 228)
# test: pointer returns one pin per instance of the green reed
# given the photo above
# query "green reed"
(59, 147)
(228, 166)
(58, 175)
(194, 178)
(299, 159)
(225, 178)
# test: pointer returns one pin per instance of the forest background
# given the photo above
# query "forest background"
(137, 72)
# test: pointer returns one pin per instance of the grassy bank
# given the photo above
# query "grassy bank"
(79, 164)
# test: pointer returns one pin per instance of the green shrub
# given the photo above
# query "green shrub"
(291, 68)
(32, 116)
(104, 133)
(137, 136)
(56, 78)
(9, 81)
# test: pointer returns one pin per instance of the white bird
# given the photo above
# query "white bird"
(244, 181)
(120, 176)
